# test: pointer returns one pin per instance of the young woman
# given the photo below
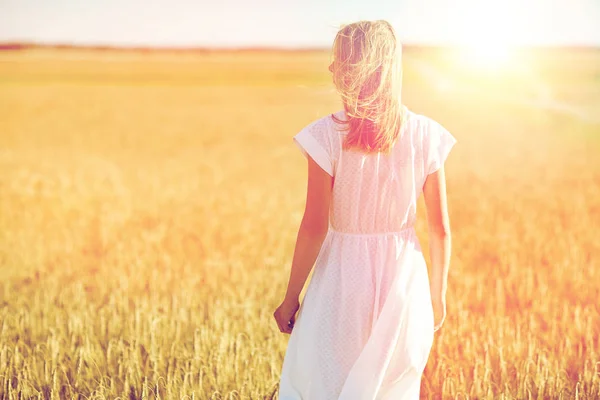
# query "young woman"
(366, 324)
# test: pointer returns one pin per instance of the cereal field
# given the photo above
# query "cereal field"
(149, 204)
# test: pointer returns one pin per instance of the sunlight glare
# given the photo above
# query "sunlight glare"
(489, 56)
(486, 43)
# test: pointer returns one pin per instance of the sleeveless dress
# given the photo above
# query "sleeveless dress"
(364, 329)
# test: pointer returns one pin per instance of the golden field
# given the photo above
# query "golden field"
(149, 204)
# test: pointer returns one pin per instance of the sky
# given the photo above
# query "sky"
(298, 23)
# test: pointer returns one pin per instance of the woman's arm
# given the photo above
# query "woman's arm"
(313, 228)
(311, 234)
(440, 241)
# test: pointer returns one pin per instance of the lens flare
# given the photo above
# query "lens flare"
(487, 56)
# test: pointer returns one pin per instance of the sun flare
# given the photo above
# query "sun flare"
(486, 56)
(485, 42)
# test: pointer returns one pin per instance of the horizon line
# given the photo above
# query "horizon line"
(24, 45)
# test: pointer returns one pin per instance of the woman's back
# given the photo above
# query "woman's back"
(377, 192)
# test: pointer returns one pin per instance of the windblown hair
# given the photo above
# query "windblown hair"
(367, 73)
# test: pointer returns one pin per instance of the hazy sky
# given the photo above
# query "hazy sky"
(296, 23)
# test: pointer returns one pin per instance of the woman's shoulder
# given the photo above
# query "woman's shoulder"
(420, 120)
(339, 115)
(422, 125)
(326, 121)
(329, 125)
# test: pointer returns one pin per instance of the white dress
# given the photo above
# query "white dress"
(365, 327)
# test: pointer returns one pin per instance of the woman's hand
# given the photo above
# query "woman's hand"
(285, 315)
(439, 311)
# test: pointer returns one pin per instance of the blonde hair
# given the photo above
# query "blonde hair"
(367, 73)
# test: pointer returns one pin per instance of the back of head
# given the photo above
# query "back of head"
(367, 72)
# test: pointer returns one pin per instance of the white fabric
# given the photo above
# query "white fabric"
(365, 327)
